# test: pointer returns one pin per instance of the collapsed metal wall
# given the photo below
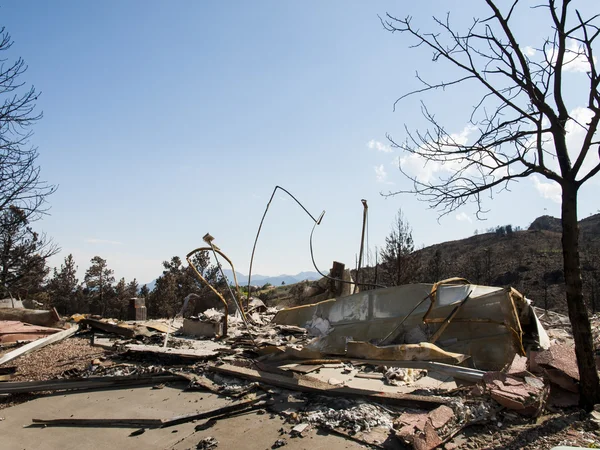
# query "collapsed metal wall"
(488, 326)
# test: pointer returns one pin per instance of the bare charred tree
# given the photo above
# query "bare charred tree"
(519, 124)
(20, 183)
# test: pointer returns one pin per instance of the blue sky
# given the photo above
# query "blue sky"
(167, 120)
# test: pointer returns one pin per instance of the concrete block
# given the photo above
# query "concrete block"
(202, 329)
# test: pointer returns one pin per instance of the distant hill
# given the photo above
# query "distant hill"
(261, 280)
(528, 260)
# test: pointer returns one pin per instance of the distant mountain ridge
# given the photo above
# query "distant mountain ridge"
(274, 280)
(261, 280)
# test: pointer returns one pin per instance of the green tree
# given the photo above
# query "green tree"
(144, 292)
(62, 287)
(132, 288)
(23, 254)
(179, 280)
(519, 124)
(437, 267)
(398, 263)
(120, 300)
(99, 279)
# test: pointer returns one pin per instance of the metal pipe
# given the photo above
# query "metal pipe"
(362, 244)
(317, 222)
(217, 293)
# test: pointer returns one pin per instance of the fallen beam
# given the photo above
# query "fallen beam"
(223, 412)
(457, 372)
(76, 384)
(104, 423)
(199, 382)
(31, 316)
(36, 345)
(315, 386)
(109, 327)
(255, 403)
(200, 354)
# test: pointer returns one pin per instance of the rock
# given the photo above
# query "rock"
(428, 439)
(518, 366)
(560, 357)
(441, 416)
(561, 379)
(335, 382)
(299, 429)
(525, 397)
(207, 443)
(279, 443)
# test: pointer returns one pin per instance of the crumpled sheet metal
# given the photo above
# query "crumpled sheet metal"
(403, 352)
(490, 327)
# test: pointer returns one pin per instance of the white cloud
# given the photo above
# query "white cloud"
(381, 174)
(576, 129)
(102, 241)
(574, 59)
(529, 51)
(426, 171)
(463, 217)
(550, 190)
(379, 146)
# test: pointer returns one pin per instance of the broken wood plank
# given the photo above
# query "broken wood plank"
(32, 316)
(86, 383)
(199, 382)
(109, 327)
(9, 370)
(457, 372)
(303, 368)
(370, 376)
(36, 345)
(105, 423)
(201, 354)
(255, 403)
(15, 331)
(312, 385)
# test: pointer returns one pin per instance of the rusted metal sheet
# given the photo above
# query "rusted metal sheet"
(13, 331)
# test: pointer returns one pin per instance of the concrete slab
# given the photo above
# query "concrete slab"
(244, 431)
(259, 431)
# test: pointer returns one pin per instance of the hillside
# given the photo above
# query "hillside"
(529, 260)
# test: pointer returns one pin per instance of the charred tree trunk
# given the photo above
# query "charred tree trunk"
(584, 348)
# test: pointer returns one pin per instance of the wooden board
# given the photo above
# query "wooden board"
(303, 368)
(177, 352)
(312, 385)
(73, 384)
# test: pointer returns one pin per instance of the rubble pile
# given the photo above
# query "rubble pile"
(353, 417)
(340, 369)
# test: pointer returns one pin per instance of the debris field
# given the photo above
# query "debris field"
(448, 365)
